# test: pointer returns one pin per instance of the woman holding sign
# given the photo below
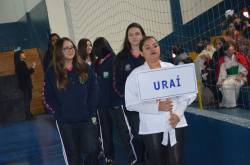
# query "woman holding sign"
(162, 122)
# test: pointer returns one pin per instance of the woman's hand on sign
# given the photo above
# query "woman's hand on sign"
(166, 105)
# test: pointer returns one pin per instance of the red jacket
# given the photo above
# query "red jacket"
(241, 58)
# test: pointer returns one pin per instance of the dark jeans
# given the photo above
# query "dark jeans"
(157, 154)
(78, 139)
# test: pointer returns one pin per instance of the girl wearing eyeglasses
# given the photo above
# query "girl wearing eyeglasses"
(70, 93)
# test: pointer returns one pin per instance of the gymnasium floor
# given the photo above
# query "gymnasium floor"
(35, 142)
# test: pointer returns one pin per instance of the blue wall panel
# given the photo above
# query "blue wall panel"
(13, 34)
(39, 26)
(31, 31)
(213, 142)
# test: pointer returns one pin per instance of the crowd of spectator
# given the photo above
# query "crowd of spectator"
(223, 64)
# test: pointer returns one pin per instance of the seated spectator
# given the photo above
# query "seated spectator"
(231, 34)
(229, 14)
(179, 56)
(204, 58)
(201, 65)
(232, 74)
(208, 49)
(211, 77)
(199, 47)
(243, 42)
(246, 29)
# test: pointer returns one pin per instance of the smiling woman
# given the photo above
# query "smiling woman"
(71, 95)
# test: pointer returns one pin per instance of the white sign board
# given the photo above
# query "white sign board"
(167, 82)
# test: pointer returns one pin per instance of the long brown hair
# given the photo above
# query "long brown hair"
(82, 50)
(78, 64)
(126, 44)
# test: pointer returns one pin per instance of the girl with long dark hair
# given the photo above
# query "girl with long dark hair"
(49, 55)
(71, 94)
(85, 51)
(128, 59)
(103, 67)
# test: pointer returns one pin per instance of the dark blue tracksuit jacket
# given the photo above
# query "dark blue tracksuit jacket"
(74, 104)
(104, 73)
(125, 66)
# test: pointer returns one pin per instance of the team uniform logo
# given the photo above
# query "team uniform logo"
(105, 74)
(127, 67)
